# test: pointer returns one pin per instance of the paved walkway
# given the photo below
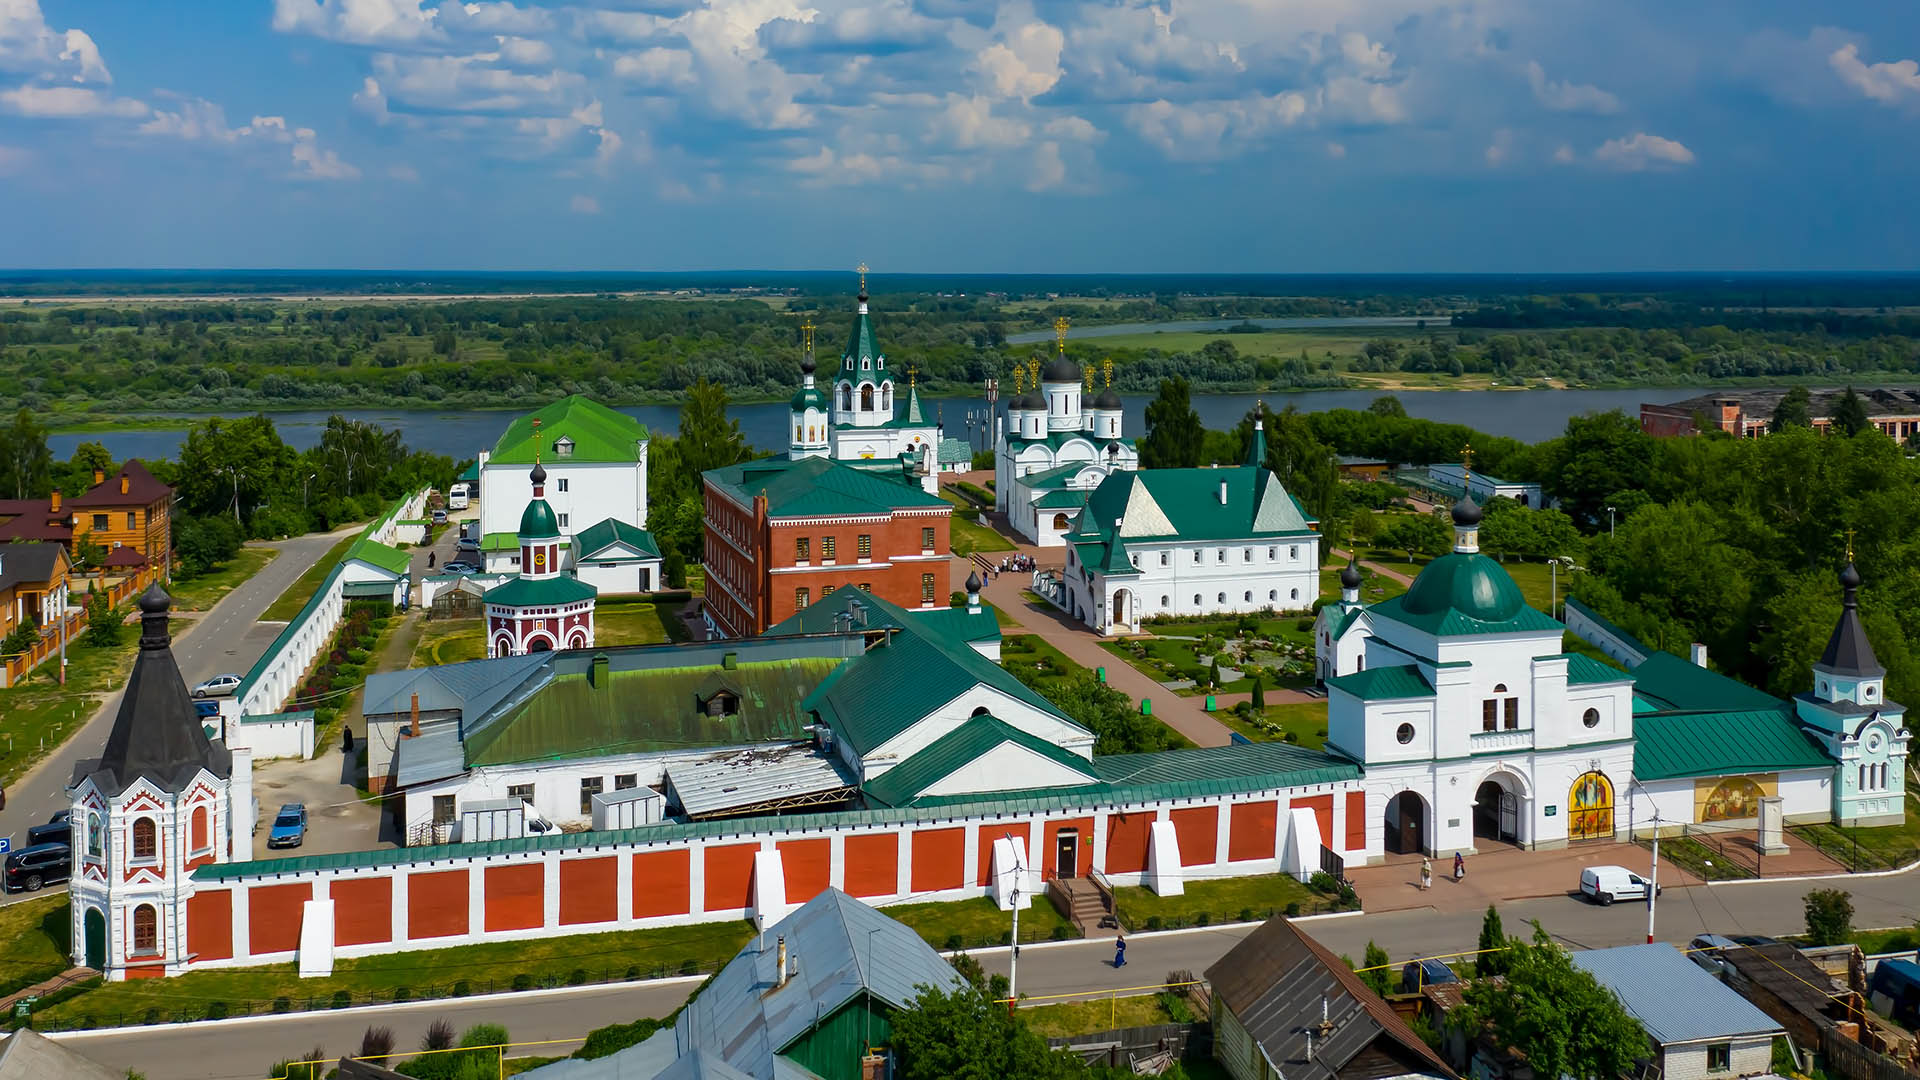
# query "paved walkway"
(1080, 644)
(1341, 555)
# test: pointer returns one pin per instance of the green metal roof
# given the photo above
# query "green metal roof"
(861, 347)
(598, 434)
(1114, 557)
(810, 397)
(1675, 684)
(1063, 499)
(1582, 670)
(506, 541)
(955, 450)
(1129, 779)
(1188, 501)
(537, 521)
(953, 626)
(819, 487)
(957, 624)
(1627, 639)
(956, 750)
(374, 553)
(1345, 620)
(1055, 477)
(1453, 622)
(1669, 745)
(571, 718)
(1465, 593)
(1384, 683)
(604, 534)
(532, 592)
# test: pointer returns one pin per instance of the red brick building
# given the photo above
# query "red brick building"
(781, 534)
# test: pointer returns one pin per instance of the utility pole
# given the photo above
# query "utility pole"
(1013, 958)
(1609, 522)
(1653, 883)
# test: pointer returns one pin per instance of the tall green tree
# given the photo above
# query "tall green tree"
(966, 1035)
(1175, 438)
(1387, 405)
(1492, 956)
(1418, 534)
(1793, 410)
(1376, 970)
(1829, 916)
(103, 625)
(1555, 1014)
(231, 466)
(1302, 462)
(708, 439)
(25, 462)
(355, 456)
(1599, 455)
(1850, 414)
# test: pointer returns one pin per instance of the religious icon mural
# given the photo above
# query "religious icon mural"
(1590, 807)
(1734, 798)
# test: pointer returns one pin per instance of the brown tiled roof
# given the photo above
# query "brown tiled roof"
(1279, 983)
(35, 527)
(142, 488)
(125, 556)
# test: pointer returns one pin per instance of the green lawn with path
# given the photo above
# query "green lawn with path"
(1172, 649)
(1037, 652)
(201, 593)
(1085, 1016)
(965, 535)
(449, 641)
(304, 586)
(978, 923)
(1306, 721)
(1207, 903)
(631, 622)
(1883, 847)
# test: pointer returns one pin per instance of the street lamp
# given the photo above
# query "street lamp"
(303, 489)
(1609, 522)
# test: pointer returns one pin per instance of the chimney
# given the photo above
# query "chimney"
(1223, 493)
(99, 477)
(1698, 654)
(414, 727)
(780, 978)
(123, 483)
(55, 508)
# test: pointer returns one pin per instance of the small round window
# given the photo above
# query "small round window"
(1591, 718)
(1405, 734)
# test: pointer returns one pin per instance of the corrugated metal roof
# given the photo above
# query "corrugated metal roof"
(1668, 745)
(738, 781)
(818, 487)
(1583, 670)
(29, 1055)
(1673, 998)
(432, 755)
(1384, 683)
(472, 686)
(1683, 685)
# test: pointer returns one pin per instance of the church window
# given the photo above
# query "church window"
(1249, 596)
(801, 598)
(802, 549)
(202, 837)
(1590, 718)
(796, 432)
(865, 545)
(1489, 715)
(1513, 713)
(926, 538)
(1222, 599)
(1274, 594)
(1197, 601)
(1404, 734)
(1163, 601)
(1163, 558)
(1197, 555)
(826, 548)
(96, 836)
(1220, 555)
(560, 484)
(563, 447)
(1867, 692)
(146, 930)
(1246, 554)
(926, 589)
(1362, 662)
(563, 521)
(145, 839)
(846, 396)
(886, 397)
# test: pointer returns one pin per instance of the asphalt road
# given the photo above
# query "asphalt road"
(228, 637)
(244, 1048)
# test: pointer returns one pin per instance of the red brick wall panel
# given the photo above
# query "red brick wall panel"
(1322, 807)
(362, 910)
(662, 883)
(516, 897)
(729, 870)
(872, 864)
(273, 917)
(1250, 831)
(939, 860)
(1356, 821)
(210, 924)
(589, 890)
(437, 904)
(807, 867)
(1198, 830)
(1127, 842)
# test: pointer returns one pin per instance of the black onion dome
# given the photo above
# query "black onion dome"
(1060, 369)
(539, 473)
(1466, 512)
(1350, 576)
(155, 600)
(807, 366)
(973, 582)
(1107, 399)
(1849, 577)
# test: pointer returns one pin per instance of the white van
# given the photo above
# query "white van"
(1605, 884)
(457, 497)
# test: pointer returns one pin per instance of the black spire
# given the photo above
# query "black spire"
(1350, 576)
(157, 734)
(1848, 650)
(539, 473)
(1466, 511)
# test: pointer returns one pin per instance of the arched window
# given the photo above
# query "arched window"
(1222, 600)
(1405, 734)
(1196, 600)
(1296, 594)
(846, 396)
(146, 930)
(96, 836)
(1163, 601)
(886, 397)
(866, 398)
(981, 711)
(145, 839)
(201, 842)
(1249, 596)
(1273, 594)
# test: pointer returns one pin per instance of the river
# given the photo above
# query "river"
(1344, 322)
(1528, 415)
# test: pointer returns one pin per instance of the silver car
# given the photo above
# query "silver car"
(218, 686)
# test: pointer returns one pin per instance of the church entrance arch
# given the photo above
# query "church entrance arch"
(539, 643)
(1406, 824)
(1590, 807)
(1496, 811)
(96, 937)
(1120, 613)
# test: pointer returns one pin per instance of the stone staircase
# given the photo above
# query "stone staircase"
(1085, 904)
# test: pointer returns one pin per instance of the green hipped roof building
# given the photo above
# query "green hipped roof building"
(820, 487)
(575, 428)
(1182, 505)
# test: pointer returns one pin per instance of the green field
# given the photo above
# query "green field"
(201, 593)
(304, 586)
(631, 622)
(1036, 653)
(1306, 721)
(1207, 903)
(966, 536)
(449, 641)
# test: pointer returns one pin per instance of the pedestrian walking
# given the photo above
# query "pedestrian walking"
(1426, 872)
(346, 741)
(1119, 952)
(1459, 866)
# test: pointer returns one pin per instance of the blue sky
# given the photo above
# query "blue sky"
(961, 135)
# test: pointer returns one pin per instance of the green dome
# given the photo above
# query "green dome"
(537, 521)
(1471, 584)
(811, 397)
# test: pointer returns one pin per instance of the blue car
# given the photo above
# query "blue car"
(289, 826)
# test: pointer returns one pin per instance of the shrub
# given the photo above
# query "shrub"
(615, 1037)
(342, 998)
(377, 1043)
(439, 1036)
(280, 1005)
(1154, 922)
(461, 988)
(633, 972)
(1205, 918)
(402, 993)
(1293, 909)
(953, 943)
(153, 1015)
(1246, 914)
(216, 1010)
(1829, 916)
(689, 966)
(523, 981)
(1060, 933)
(1303, 624)
(1321, 882)
(577, 977)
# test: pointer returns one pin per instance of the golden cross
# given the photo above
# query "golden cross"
(1849, 545)
(913, 376)
(1060, 330)
(806, 328)
(536, 440)
(862, 268)
(1033, 370)
(1106, 369)
(1087, 375)
(1466, 455)
(1019, 379)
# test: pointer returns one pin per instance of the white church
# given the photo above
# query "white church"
(1474, 725)
(1056, 447)
(859, 420)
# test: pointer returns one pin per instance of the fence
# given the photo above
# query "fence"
(19, 665)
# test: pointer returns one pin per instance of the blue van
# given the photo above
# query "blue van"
(1895, 991)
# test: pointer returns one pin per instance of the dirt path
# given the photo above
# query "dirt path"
(1341, 554)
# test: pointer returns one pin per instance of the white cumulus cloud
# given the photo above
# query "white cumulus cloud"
(1370, 57)
(1564, 155)
(1642, 151)
(1889, 83)
(68, 103)
(28, 44)
(386, 23)
(1568, 96)
(1024, 63)
(1501, 148)
(1214, 129)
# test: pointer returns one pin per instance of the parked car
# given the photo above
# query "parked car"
(1705, 951)
(439, 517)
(466, 545)
(1895, 990)
(57, 831)
(218, 686)
(37, 865)
(1421, 973)
(206, 709)
(1605, 884)
(461, 568)
(289, 826)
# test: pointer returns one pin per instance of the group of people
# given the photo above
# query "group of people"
(1426, 869)
(1016, 562)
